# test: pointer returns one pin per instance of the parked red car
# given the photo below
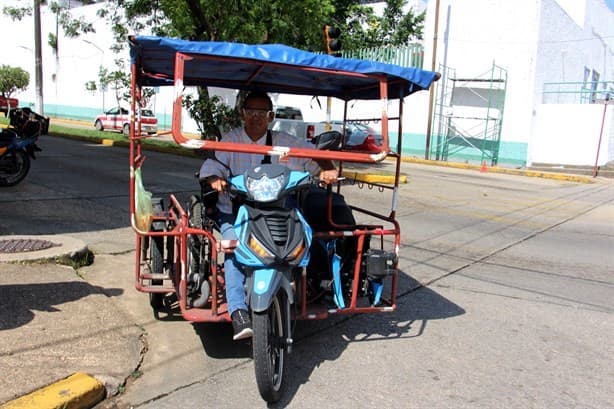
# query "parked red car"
(118, 119)
(6, 103)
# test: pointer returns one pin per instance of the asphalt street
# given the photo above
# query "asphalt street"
(505, 298)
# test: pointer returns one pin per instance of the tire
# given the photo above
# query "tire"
(269, 349)
(126, 129)
(98, 126)
(14, 167)
(194, 242)
(156, 253)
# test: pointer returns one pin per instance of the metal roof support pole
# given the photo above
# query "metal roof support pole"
(383, 90)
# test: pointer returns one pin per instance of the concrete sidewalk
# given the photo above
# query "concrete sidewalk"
(51, 356)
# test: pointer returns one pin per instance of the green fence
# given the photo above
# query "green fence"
(410, 55)
(589, 92)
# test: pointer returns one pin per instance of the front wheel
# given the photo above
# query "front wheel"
(14, 167)
(98, 125)
(126, 129)
(269, 347)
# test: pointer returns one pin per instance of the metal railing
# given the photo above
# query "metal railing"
(410, 55)
(588, 92)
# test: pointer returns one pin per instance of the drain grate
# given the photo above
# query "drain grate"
(24, 245)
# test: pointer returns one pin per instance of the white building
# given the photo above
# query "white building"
(537, 42)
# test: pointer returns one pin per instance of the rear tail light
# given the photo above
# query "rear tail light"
(310, 132)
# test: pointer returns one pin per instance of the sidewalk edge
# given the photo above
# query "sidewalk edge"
(79, 390)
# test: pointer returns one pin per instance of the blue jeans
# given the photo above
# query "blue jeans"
(233, 271)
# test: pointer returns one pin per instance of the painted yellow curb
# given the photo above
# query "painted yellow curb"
(373, 178)
(497, 169)
(107, 142)
(78, 391)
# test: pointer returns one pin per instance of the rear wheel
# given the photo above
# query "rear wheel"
(98, 125)
(270, 349)
(126, 129)
(156, 254)
(14, 167)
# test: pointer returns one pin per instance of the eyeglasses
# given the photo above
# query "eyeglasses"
(257, 113)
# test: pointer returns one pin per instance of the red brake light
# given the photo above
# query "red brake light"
(310, 132)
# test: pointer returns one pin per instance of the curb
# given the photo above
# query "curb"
(375, 178)
(508, 171)
(79, 390)
(65, 250)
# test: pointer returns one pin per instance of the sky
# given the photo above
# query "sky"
(610, 4)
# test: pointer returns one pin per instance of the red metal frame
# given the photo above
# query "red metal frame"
(177, 220)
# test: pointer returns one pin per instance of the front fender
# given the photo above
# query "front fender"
(265, 284)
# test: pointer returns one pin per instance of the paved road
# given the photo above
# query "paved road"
(506, 296)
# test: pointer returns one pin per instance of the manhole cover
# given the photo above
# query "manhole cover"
(23, 245)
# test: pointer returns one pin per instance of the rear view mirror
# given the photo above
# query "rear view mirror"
(330, 140)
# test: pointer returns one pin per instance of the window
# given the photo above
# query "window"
(595, 81)
(587, 75)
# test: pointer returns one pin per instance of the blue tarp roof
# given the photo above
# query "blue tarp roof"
(272, 68)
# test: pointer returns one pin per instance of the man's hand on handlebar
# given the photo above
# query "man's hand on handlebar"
(328, 176)
(217, 183)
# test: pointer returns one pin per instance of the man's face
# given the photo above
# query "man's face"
(256, 116)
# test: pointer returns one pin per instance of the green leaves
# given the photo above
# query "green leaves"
(13, 79)
(211, 114)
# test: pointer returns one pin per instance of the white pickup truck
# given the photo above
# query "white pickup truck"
(290, 120)
(358, 136)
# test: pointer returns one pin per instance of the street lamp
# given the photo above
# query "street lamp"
(103, 86)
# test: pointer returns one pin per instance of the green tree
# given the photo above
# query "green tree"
(13, 79)
(72, 27)
(361, 28)
(295, 23)
(210, 114)
(249, 21)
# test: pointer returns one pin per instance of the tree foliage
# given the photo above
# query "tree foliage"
(362, 28)
(13, 79)
(211, 115)
(72, 27)
(295, 23)
(291, 22)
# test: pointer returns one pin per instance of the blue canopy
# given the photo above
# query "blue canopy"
(272, 68)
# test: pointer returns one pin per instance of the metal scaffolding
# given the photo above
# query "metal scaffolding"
(468, 116)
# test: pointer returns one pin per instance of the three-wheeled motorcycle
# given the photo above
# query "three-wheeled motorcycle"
(318, 257)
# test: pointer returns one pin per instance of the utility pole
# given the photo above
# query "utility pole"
(432, 88)
(333, 47)
(38, 60)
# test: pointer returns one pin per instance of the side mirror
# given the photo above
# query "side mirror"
(330, 140)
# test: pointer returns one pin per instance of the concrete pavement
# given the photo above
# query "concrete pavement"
(58, 359)
(52, 356)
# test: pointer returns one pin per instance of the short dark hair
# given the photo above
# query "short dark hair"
(258, 95)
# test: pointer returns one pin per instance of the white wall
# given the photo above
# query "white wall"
(569, 134)
(485, 31)
(64, 78)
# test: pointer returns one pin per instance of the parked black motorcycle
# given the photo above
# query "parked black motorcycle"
(18, 144)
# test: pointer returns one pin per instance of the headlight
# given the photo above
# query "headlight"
(264, 189)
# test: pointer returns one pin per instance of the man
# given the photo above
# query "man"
(257, 113)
